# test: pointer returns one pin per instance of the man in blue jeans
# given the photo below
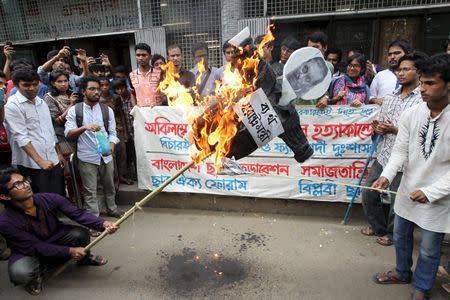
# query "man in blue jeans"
(423, 199)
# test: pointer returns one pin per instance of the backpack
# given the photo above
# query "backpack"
(79, 115)
(79, 119)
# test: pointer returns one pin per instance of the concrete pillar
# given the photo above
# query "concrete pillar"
(230, 14)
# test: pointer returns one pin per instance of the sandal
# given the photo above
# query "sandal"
(97, 260)
(418, 296)
(367, 231)
(384, 241)
(126, 181)
(442, 273)
(34, 287)
(389, 277)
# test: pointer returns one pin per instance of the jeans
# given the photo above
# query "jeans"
(88, 173)
(429, 254)
(42, 181)
(28, 268)
(373, 206)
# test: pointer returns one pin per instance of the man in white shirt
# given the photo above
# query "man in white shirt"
(93, 164)
(32, 137)
(386, 125)
(423, 199)
(206, 84)
(385, 82)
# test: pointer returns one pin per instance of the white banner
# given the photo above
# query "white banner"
(339, 135)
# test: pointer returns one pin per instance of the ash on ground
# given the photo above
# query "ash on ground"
(192, 271)
(249, 240)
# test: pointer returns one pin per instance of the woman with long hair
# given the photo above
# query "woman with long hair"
(59, 100)
(351, 89)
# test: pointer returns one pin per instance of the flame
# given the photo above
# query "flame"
(266, 39)
(212, 120)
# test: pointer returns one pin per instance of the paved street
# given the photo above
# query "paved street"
(177, 254)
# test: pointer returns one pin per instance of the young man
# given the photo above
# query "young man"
(175, 55)
(334, 56)
(145, 79)
(206, 85)
(82, 126)
(267, 49)
(31, 135)
(318, 40)
(407, 95)
(37, 237)
(57, 60)
(229, 52)
(386, 81)
(288, 46)
(423, 147)
(127, 101)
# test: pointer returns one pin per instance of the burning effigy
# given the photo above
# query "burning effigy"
(249, 109)
(245, 112)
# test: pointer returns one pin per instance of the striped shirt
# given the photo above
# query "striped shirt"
(391, 109)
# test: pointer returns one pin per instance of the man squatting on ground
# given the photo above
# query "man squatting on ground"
(37, 238)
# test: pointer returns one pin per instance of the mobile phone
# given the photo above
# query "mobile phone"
(8, 44)
(73, 52)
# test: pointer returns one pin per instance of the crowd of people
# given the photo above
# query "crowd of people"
(84, 108)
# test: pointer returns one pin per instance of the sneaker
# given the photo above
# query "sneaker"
(116, 214)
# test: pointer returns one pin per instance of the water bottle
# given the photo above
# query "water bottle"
(103, 144)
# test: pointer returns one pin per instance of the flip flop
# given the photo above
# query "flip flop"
(384, 241)
(389, 278)
(34, 287)
(367, 231)
(97, 260)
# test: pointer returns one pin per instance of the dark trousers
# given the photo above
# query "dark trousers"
(28, 268)
(42, 181)
(373, 205)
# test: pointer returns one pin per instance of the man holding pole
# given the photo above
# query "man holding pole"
(423, 199)
(407, 95)
(37, 238)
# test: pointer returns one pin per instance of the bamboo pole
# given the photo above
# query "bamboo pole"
(127, 214)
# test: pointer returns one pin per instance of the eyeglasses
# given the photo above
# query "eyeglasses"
(352, 66)
(20, 185)
(405, 70)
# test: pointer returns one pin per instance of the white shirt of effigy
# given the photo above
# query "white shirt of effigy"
(424, 144)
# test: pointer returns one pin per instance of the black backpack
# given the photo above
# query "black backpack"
(79, 115)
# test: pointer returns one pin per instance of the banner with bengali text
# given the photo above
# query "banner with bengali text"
(339, 135)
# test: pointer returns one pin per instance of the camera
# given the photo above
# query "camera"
(8, 44)
(98, 60)
(73, 52)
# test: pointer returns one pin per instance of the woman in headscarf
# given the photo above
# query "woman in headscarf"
(351, 89)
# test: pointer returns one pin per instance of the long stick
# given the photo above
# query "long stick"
(375, 142)
(130, 212)
(363, 187)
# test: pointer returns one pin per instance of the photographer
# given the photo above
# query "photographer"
(57, 60)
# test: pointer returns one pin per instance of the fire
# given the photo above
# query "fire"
(266, 39)
(212, 120)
